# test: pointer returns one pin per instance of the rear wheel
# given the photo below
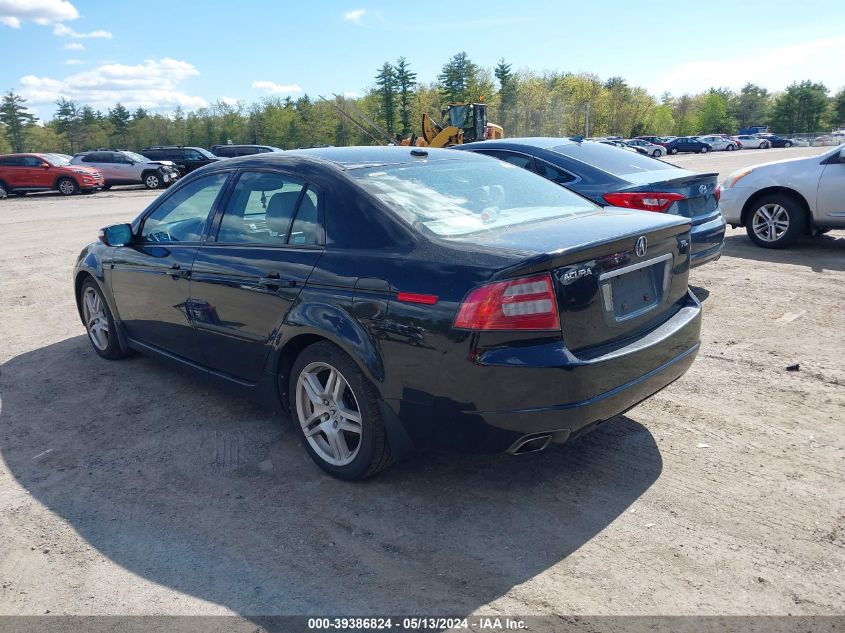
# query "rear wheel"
(67, 186)
(2, 191)
(731, 148)
(674, 150)
(99, 322)
(764, 145)
(658, 153)
(336, 414)
(787, 144)
(704, 149)
(152, 181)
(775, 221)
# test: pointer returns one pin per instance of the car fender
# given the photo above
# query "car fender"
(90, 264)
(61, 176)
(338, 326)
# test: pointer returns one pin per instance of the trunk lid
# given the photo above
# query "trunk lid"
(699, 190)
(607, 289)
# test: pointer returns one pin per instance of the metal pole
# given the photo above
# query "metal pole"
(587, 122)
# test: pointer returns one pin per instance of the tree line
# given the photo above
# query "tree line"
(524, 102)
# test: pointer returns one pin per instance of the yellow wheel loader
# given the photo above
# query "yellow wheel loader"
(467, 122)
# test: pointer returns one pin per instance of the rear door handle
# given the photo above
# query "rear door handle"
(274, 280)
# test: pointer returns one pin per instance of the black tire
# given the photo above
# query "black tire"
(731, 147)
(373, 452)
(152, 180)
(792, 211)
(3, 192)
(106, 187)
(67, 186)
(787, 144)
(112, 350)
(674, 150)
(764, 145)
(658, 153)
(704, 149)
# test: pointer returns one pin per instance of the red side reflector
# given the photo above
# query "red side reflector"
(413, 297)
(527, 303)
(643, 200)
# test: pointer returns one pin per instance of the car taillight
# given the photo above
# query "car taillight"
(717, 193)
(527, 303)
(644, 201)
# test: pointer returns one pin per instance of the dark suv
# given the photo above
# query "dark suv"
(232, 151)
(186, 159)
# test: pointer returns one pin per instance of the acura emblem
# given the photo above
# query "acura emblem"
(641, 246)
(702, 189)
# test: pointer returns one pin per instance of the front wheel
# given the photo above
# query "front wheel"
(658, 153)
(764, 145)
(674, 150)
(730, 148)
(67, 186)
(704, 150)
(152, 181)
(335, 410)
(787, 144)
(775, 221)
(99, 322)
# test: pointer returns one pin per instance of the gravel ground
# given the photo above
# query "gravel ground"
(130, 488)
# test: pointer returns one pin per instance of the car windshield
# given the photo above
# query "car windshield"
(204, 152)
(136, 157)
(55, 160)
(452, 198)
(610, 159)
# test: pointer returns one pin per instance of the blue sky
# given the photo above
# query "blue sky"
(163, 54)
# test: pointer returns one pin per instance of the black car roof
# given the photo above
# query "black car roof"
(366, 156)
(543, 142)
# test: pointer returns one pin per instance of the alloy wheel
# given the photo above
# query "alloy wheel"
(328, 412)
(770, 222)
(152, 182)
(96, 319)
(66, 187)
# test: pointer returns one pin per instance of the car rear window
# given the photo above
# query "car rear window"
(451, 198)
(614, 160)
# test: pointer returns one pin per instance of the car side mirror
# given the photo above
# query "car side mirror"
(116, 235)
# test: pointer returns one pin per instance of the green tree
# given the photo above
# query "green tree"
(406, 80)
(838, 109)
(119, 118)
(456, 77)
(16, 119)
(800, 108)
(386, 86)
(751, 105)
(713, 114)
(507, 93)
(67, 122)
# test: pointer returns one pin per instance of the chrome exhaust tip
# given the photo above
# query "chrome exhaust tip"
(530, 444)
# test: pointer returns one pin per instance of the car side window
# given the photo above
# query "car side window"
(261, 209)
(32, 161)
(192, 154)
(304, 230)
(555, 174)
(183, 215)
(520, 160)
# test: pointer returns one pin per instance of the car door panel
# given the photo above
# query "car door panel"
(239, 298)
(830, 205)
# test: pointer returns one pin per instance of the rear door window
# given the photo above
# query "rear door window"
(514, 158)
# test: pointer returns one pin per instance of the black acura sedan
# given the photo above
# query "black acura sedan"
(396, 298)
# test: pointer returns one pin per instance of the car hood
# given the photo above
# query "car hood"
(168, 163)
(85, 168)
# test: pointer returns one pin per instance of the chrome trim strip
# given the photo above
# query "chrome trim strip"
(633, 267)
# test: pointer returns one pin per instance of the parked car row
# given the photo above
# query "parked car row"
(154, 167)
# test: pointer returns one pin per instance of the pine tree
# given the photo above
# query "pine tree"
(406, 80)
(68, 124)
(14, 116)
(386, 89)
(456, 76)
(119, 117)
(507, 93)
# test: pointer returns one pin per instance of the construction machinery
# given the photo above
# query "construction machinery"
(465, 123)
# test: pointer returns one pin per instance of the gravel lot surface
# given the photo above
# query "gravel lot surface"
(130, 488)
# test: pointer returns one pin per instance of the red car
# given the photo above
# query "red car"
(22, 173)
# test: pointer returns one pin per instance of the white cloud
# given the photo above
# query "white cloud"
(153, 84)
(14, 12)
(74, 46)
(73, 62)
(274, 88)
(65, 31)
(355, 16)
(230, 101)
(773, 68)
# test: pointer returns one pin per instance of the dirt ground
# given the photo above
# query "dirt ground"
(130, 488)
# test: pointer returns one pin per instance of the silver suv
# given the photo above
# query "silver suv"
(121, 167)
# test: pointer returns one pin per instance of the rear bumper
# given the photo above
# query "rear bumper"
(505, 395)
(707, 239)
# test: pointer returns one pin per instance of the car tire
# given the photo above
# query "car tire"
(775, 221)
(152, 181)
(658, 153)
(67, 186)
(764, 145)
(327, 391)
(98, 320)
(674, 150)
(106, 187)
(704, 150)
(3, 192)
(787, 144)
(730, 148)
